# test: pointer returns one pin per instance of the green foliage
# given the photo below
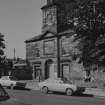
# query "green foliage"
(2, 46)
(3, 69)
(23, 73)
(90, 28)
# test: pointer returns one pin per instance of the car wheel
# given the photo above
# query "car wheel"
(11, 86)
(69, 92)
(80, 93)
(45, 90)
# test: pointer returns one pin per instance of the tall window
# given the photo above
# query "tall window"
(49, 47)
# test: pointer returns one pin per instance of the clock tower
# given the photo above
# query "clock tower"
(49, 16)
(57, 15)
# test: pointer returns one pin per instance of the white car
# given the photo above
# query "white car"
(58, 85)
(11, 82)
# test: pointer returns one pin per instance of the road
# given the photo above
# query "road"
(37, 98)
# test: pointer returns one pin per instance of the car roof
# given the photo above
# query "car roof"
(7, 76)
(53, 79)
(4, 76)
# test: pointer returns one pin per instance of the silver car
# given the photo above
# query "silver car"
(58, 85)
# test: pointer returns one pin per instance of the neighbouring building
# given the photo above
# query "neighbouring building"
(55, 46)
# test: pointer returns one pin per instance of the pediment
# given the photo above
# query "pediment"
(49, 34)
(42, 36)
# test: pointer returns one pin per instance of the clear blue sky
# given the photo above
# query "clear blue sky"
(19, 20)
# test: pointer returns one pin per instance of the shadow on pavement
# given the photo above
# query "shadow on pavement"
(20, 88)
(77, 95)
(84, 95)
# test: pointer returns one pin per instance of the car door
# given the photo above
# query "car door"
(4, 81)
(60, 86)
(52, 85)
(57, 86)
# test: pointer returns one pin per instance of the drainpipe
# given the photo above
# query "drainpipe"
(58, 55)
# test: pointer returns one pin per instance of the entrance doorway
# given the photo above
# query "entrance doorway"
(37, 70)
(47, 68)
(65, 70)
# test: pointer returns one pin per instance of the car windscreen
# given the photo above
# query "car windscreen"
(67, 81)
(13, 78)
(3, 94)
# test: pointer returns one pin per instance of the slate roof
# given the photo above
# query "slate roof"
(35, 38)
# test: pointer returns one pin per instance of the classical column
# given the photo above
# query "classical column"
(33, 74)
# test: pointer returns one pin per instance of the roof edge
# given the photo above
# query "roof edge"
(38, 37)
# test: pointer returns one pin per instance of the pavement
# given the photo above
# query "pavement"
(32, 84)
(96, 92)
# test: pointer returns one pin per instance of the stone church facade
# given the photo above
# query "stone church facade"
(55, 41)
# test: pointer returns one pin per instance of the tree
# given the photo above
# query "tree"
(2, 46)
(90, 28)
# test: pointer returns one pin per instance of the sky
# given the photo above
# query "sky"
(19, 20)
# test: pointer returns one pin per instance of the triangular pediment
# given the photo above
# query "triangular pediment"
(48, 34)
(42, 36)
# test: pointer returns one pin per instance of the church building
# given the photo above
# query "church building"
(51, 53)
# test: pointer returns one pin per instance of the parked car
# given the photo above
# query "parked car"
(5, 99)
(59, 85)
(11, 82)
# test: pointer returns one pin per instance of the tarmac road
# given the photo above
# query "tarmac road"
(96, 92)
(35, 97)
